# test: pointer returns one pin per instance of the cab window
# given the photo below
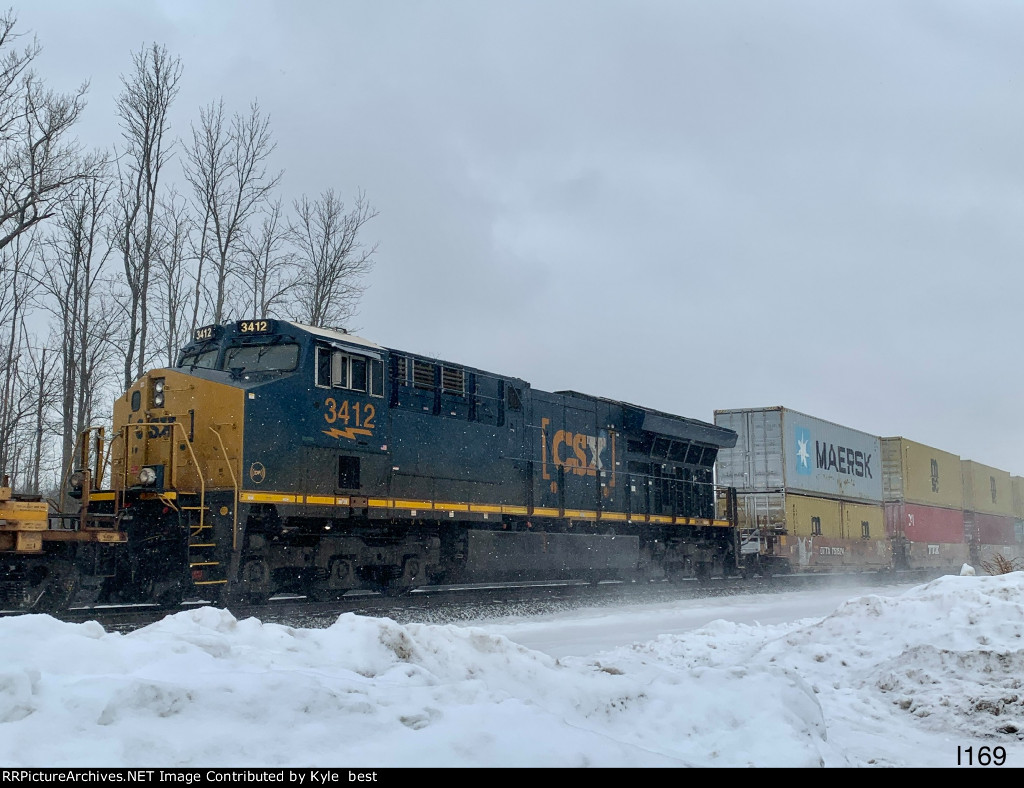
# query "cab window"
(340, 370)
(262, 358)
(205, 360)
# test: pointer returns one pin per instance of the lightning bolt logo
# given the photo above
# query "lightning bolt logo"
(349, 433)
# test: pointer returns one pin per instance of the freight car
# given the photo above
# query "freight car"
(277, 457)
(816, 497)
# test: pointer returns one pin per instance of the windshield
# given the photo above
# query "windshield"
(262, 358)
(205, 360)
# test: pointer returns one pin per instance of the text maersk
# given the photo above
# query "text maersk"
(829, 457)
(300, 776)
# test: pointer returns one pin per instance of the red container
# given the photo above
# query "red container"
(994, 529)
(932, 524)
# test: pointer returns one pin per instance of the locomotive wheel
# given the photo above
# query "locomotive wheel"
(254, 586)
(338, 581)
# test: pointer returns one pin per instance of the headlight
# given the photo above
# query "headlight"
(158, 393)
(76, 480)
(147, 475)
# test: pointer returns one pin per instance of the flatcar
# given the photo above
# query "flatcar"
(277, 457)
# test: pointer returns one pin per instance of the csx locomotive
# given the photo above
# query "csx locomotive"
(277, 457)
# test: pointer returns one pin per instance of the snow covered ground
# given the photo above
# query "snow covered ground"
(903, 679)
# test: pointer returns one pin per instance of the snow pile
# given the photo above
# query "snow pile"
(882, 680)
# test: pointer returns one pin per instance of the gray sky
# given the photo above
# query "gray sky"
(686, 205)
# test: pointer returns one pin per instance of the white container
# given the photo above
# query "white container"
(782, 449)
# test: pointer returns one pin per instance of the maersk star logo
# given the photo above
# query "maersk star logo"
(803, 451)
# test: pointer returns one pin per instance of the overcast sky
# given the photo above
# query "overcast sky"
(687, 205)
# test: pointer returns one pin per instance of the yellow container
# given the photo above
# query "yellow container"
(986, 489)
(863, 521)
(807, 516)
(1017, 488)
(915, 473)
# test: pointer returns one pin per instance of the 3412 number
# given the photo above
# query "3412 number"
(359, 414)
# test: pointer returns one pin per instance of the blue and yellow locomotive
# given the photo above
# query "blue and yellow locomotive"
(277, 457)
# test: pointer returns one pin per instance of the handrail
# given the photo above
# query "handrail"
(118, 493)
(234, 481)
(187, 443)
(91, 475)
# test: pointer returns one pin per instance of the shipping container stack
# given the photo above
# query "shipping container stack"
(988, 513)
(809, 491)
(924, 505)
(1017, 488)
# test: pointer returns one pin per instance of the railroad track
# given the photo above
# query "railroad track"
(445, 604)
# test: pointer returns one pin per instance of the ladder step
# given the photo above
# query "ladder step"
(211, 544)
(209, 582)
(204, 563)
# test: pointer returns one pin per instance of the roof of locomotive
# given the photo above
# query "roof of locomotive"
(670, 424)
(653, 420)
(340, 336)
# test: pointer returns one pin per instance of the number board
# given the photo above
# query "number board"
(256, 326)
(205, 333)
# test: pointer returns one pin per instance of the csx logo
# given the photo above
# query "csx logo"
(153, 431)
(583, 454)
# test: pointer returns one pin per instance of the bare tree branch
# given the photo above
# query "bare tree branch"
(143, 108)
(331, 259)
(74, 259)
(171, 253)
(228, 169)
(40, 163)
(270, 272)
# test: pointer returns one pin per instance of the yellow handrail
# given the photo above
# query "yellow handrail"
(187, 443)
(234, 481)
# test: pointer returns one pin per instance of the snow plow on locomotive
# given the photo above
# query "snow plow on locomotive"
(283, 458)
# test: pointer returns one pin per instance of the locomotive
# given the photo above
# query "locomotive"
(277, 457)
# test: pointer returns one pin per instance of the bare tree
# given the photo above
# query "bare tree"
(25, 451)
(331, 259)
(171, 275)
(43, 374)
(39, 160)
(72, 274)
(270, 265)
(228, 169)
(17, 288)
(143, 108)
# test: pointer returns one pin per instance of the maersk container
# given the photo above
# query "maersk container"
(986, 489)
(916, 473)
(782, 449)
